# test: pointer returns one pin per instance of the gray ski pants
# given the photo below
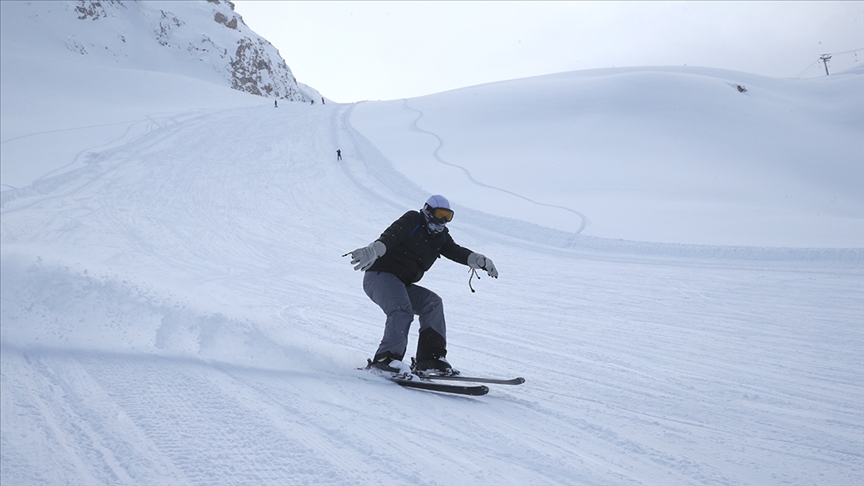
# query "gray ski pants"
(400, 303)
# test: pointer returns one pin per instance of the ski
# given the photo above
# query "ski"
(413, 381)
(475, 379)
(423, 384)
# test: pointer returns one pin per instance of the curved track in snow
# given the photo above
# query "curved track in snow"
(414, 127)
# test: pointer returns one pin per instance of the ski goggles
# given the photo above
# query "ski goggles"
(441, 215)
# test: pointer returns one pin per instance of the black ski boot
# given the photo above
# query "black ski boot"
(431, 352)
(433, 366)
(389, 363)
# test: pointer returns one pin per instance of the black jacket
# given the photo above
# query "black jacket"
(411, 249)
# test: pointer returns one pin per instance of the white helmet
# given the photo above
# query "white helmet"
(438, 208)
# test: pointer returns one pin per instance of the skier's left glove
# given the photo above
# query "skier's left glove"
(476, 260)
(366, 256)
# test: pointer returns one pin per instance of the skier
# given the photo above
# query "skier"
(393, 264)
(338, 154)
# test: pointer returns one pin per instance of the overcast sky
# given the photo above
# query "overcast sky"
(353, 51)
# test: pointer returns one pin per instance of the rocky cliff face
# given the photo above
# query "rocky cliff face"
(203, 39)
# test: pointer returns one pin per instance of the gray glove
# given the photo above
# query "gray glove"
(366, 256)
(476, 260)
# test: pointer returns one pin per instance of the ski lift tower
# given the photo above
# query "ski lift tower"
(824, 58)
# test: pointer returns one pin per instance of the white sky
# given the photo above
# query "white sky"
(353, 51)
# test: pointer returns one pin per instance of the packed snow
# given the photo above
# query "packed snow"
(681, 280)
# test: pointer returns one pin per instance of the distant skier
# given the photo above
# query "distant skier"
(394, 263)
(275, 103)
(322, 101)
(338, 154)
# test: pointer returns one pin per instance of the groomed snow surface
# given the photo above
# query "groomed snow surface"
(681, 282)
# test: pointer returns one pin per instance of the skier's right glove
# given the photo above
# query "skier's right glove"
(366, 256)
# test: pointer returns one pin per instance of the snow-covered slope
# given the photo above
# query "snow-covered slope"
(174, 308)
(69, 67)
(672, 155)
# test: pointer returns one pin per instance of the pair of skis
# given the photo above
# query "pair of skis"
(432, 382)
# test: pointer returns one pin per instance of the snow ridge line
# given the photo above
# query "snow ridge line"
(720, 252)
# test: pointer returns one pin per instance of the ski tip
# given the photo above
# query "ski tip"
(520, 380)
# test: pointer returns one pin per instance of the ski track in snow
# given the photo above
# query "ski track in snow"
(414, 127)
(641, 369)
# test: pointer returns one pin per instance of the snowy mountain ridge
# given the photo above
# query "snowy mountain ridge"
(203, 40)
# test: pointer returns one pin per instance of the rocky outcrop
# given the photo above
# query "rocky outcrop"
(90, 10)
(253, 71)
(222, 19)
(209, 35)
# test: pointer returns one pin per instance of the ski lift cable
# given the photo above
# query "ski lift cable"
(844, 52)
(808, 68)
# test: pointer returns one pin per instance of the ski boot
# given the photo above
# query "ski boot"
(387, 363)
(437, 366)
